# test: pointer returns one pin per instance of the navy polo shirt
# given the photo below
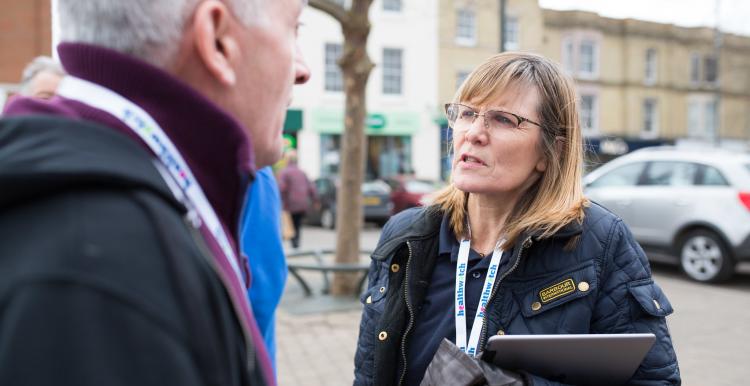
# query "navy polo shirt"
(436, 318)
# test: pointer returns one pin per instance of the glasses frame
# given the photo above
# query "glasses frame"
(520, 119)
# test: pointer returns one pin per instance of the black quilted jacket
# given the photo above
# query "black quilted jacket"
(532, 295)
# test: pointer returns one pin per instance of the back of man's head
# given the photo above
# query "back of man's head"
(40, 77)
(147, 29)
(240, 54)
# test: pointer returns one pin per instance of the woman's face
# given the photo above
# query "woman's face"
(499, 161)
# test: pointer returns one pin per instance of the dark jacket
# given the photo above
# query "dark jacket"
(621, 296)
(103, 282)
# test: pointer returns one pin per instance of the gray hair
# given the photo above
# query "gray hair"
(147, 29)
(35, 67)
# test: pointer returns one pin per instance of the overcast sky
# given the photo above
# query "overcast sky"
(735, 14)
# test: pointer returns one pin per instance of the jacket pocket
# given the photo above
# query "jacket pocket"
(554, 290)
(651, 298)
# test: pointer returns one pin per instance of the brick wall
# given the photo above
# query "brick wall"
(25, 32)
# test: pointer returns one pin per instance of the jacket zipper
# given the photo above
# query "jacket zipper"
(198, 238)
(411, 316)
(525, 245)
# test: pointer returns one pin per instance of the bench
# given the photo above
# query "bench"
(318, 262)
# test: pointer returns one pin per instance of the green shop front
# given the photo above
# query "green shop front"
(389, 141)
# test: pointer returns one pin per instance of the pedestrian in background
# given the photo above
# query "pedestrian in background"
(511, 246)
(41, 77)
(261, 242)
(297, 194)
(122, 195)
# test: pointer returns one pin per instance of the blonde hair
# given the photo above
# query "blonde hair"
(556, 198)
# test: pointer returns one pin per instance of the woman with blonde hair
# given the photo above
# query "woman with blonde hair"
(511, 246)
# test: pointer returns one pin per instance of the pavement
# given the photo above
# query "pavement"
(317, 335)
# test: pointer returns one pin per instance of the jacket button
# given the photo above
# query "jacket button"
(382, 289)
(583, 286)
(369, 300)
(476, 274)
(395, 268)
(500, 332)
(536, 306)
(383, 335)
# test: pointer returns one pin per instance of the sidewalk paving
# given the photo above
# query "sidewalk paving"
(316, 336)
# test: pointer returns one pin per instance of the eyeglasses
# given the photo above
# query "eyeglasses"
(461, 117)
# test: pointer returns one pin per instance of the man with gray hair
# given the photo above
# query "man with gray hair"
(121, 196)
(40, 77)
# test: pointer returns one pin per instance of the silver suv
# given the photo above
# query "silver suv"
(690, 203)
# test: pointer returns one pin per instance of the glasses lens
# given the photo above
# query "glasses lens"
(501, 120)
(451, 112)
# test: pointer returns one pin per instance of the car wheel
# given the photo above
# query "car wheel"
(327, 219)
(704, 257)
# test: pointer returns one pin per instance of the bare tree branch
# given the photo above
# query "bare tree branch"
(334, 10)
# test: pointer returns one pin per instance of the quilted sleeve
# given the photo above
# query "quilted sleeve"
(631, 302)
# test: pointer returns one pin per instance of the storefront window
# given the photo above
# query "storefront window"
(386, 155)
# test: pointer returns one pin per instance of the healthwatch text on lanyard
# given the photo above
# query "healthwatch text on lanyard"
(152, 134)
(489, 282)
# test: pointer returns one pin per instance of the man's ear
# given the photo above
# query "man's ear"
(214, 42)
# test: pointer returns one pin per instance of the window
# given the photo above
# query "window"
(333, 79)
(695, 68)
(461, 77)
(580, 54)
(650, 119)
(710, 70)
(466, 28)
(588, 57)
(588, 113)
(392, 70)
(713, 177)
(626, 175)
(670, 174)
(510, 34)
(569, 54)
(710, 119)
(702, 116)
(392, 5)
(650, 75)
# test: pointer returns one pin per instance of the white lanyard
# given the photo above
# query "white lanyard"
(460, 309)
(183, 185)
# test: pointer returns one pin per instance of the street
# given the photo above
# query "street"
(317, 335)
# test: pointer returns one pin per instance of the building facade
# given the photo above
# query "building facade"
(25, 33)
(402, 136)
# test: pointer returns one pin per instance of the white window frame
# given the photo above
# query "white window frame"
(332, 69)
(391, 74)
(593, 129)
(701, 119)
(695, 68)
(651, 66)
(650, 107)
(572, 53)
(512, 29)
(466, 27)
(594, 71)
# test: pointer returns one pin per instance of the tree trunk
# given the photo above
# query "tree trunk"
(356, 67)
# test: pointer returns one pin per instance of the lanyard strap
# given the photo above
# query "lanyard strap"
(183, 184)
(460, 308)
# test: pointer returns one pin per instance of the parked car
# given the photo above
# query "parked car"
(692, 204)
(375, 200)
(408, 191)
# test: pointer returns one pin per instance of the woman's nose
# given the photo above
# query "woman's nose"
(477, 132)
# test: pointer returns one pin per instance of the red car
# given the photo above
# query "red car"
(408, 191)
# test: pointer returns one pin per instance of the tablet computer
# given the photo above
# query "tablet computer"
(589, 359)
